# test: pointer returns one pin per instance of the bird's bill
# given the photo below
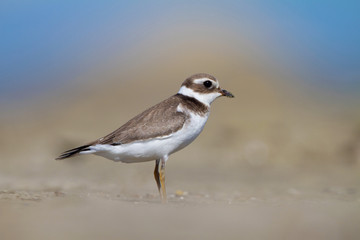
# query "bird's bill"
(226, 93)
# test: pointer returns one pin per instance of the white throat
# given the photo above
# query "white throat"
(205, 98)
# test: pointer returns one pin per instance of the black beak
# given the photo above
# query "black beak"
(226, 93)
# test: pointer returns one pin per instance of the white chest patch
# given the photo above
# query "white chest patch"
(193, 126)
(156, 148)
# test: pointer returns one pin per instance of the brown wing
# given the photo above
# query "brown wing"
(157, 121)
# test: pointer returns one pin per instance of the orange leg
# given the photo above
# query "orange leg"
(159, 174)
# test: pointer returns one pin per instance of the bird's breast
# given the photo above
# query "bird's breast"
(191, 129)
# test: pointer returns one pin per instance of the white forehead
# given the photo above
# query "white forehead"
(202, 80)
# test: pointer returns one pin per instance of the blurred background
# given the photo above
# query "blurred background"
(72, 71)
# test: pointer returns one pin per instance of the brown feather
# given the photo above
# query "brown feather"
(160, 120)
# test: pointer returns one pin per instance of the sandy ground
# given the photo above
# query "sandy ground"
(98, 216)
(259, 203)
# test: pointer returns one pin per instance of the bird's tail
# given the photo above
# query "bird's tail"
(74, 151)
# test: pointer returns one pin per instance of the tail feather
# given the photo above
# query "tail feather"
(74, 151)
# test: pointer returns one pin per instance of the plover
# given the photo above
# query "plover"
(160, 130)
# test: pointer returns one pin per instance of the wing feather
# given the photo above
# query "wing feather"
(158, 121)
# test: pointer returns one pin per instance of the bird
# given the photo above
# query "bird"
(161, 130)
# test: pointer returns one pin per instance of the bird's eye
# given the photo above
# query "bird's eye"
(207, 84)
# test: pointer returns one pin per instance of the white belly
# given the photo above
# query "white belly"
(152, 149)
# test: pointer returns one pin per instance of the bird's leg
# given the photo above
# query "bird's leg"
(157, 175)
(162, 179)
